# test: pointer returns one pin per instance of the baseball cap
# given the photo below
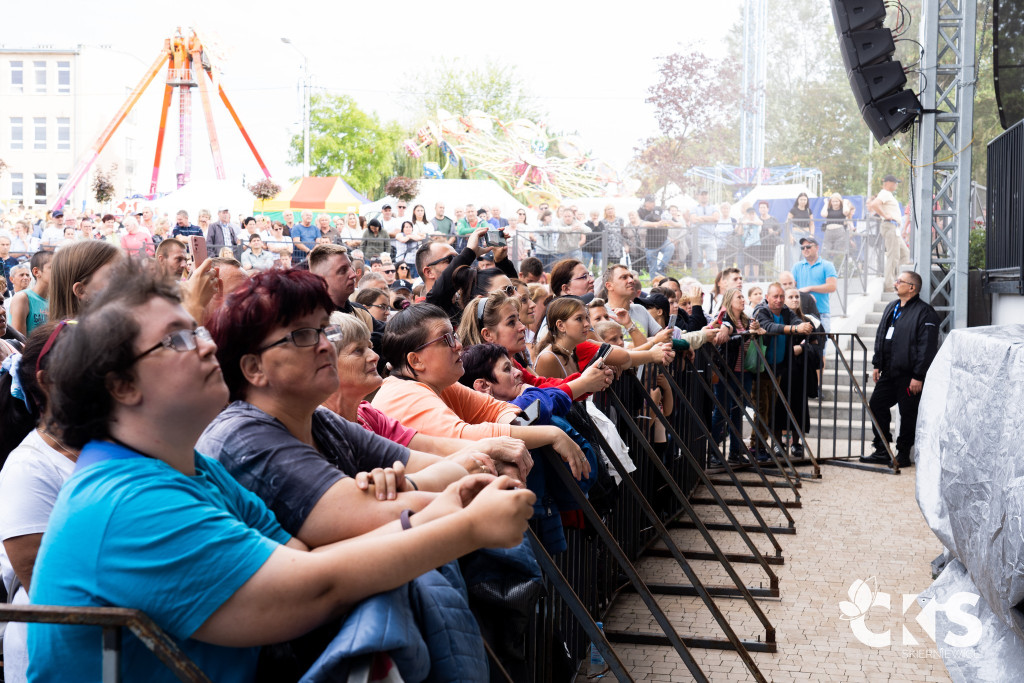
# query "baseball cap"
(386, 206)
(890, 179)
(810, 240)
(401, 284)
(649, 198)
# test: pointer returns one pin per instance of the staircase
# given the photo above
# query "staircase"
(840, 413)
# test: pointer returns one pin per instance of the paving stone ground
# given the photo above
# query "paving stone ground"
(852, 525)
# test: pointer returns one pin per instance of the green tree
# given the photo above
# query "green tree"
(348, 142)
(492, 87)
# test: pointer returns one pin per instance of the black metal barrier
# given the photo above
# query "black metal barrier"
(675, 454)
(113, 620)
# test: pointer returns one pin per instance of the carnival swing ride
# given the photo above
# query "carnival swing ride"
(188, 66)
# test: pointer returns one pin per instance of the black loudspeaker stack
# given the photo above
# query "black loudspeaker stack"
(876, 79)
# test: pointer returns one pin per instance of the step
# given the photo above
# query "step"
(867, 333)
(827, 411)
(873, 318)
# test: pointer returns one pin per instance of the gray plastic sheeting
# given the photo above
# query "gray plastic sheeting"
(999, 653)
(970, 485)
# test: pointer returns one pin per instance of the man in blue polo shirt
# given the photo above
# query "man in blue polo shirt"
(817, 277)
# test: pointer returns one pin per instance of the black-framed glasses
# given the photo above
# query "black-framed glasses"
(390, 271)
(383, 307)
(807, 247)
(306, 336)
(443, 259)
(179, 340)
(449, 338)
(400, 206)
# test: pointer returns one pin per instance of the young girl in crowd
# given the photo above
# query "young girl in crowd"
(566, 348)
(494, 319)
(755, 295)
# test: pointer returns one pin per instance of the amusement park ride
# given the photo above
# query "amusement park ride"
(186, 63)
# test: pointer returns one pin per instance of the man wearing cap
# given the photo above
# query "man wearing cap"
(389, 222)
(817, 277)
(223, 232)
(896, 252)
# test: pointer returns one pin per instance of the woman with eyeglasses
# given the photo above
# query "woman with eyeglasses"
(149, 509)
(570, 277)
(376, 301)
(423, 391)
(276, 352)
(357, 369)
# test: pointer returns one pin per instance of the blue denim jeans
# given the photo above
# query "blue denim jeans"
(657, 259)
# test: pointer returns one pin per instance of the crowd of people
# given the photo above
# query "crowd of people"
(330, 410)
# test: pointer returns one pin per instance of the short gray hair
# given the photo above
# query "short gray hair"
(352, 330)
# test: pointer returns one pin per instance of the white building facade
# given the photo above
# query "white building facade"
(53, 106)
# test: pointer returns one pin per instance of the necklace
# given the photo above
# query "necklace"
(61, 446)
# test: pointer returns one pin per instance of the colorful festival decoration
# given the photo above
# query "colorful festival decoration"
(521, 155)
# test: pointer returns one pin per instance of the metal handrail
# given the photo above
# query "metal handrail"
(112, 620)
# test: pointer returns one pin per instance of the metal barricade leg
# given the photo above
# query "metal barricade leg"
(594, 519)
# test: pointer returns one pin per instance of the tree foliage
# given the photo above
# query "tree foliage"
(103, 183)
(492, 87)
(697, 115)
(346, 141)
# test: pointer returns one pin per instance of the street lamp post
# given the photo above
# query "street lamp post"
(305, 107)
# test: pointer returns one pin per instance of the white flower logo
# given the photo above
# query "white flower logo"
(862, 595)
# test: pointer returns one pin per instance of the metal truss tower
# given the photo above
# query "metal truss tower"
(755, 29)
(942, 178)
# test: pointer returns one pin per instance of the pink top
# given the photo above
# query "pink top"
(382, 425)
(458, 413)
(135, 243)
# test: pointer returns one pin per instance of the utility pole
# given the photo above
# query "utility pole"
(305, 106)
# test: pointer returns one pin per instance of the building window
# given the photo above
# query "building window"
(17, 132)
(40, 69)
(63, 133)
(39, 124)
(17, 77)
(17, 186)
(64, 77)
(62, 179)
(40, 179)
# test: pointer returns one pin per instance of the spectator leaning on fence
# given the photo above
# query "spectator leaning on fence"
(135, 382)
(779, 323)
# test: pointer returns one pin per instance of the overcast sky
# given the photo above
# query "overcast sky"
(590, 64)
